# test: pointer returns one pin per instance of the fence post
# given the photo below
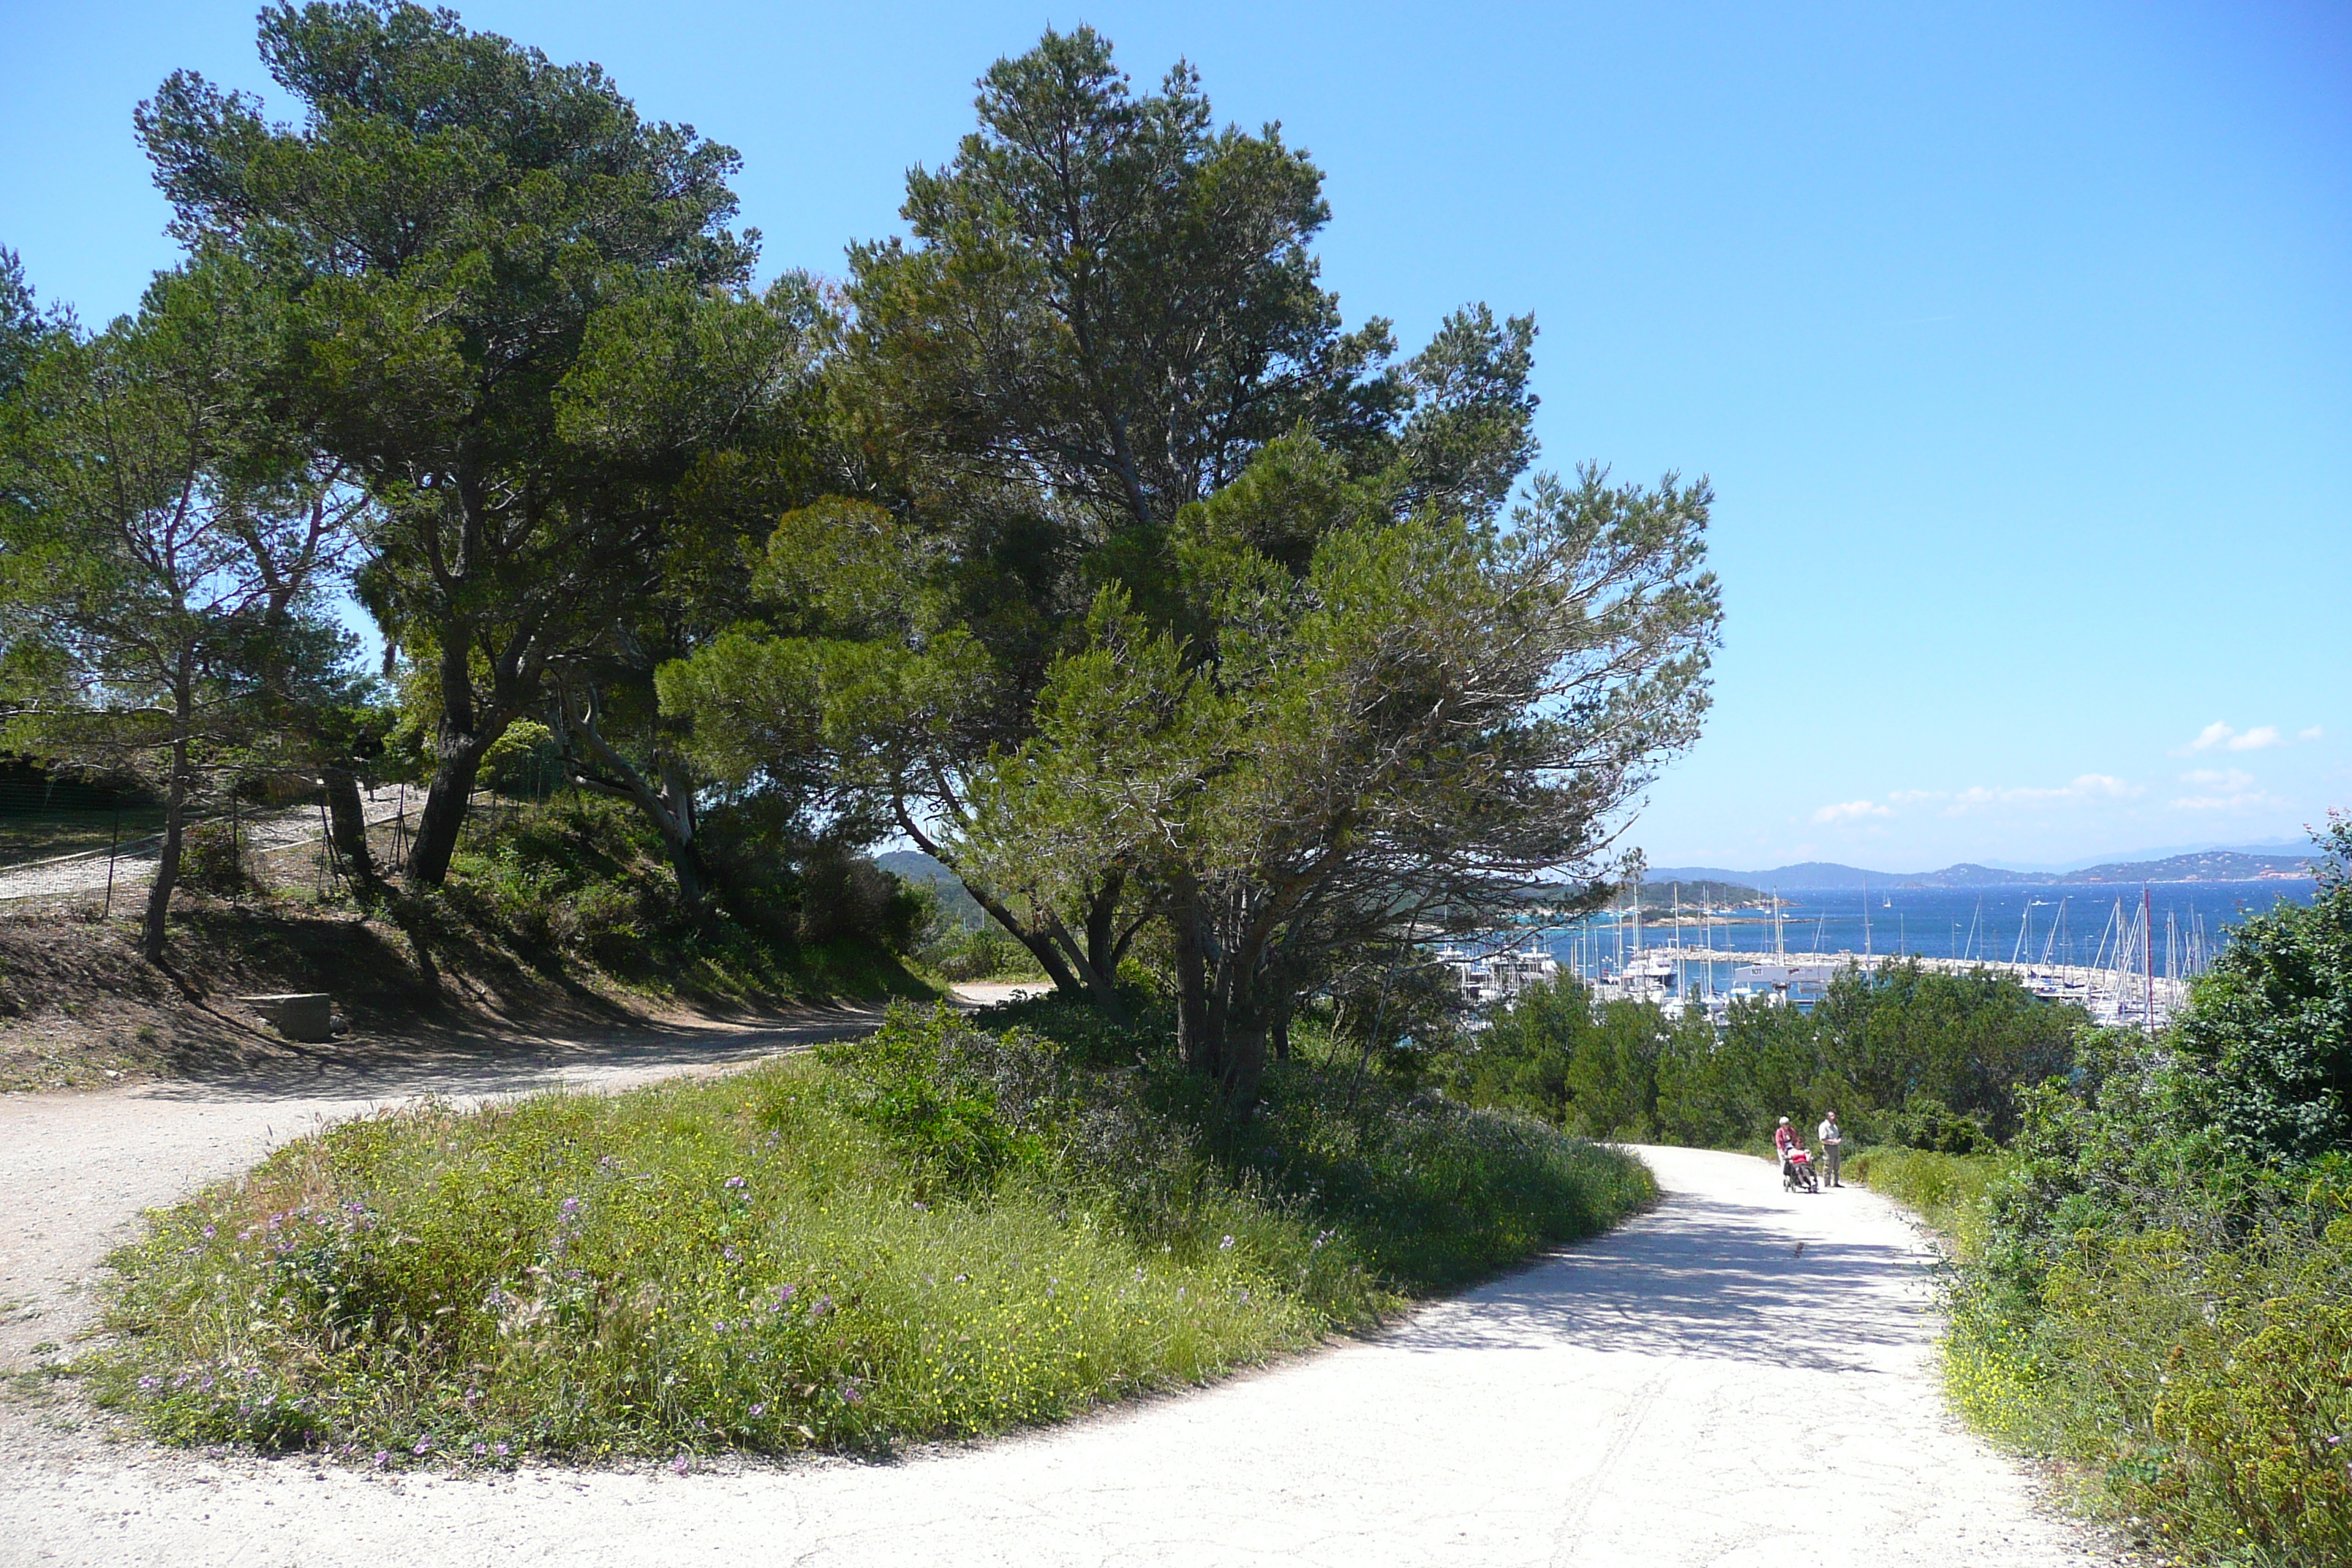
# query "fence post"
(112, 845)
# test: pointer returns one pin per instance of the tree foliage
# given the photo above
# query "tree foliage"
(476, 246)
(161, 572)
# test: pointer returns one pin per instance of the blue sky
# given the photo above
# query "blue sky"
(2016, 340)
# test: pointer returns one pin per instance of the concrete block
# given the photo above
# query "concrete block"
(296, 1014)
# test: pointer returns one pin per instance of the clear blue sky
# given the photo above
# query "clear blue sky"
(2016, 340)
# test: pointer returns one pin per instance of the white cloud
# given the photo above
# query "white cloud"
(2259, 738)
(2236, 801)
(1852, 811)
(2235, 780)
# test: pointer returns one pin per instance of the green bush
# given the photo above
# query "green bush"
(586, 878)
(2156, 1282)
(217, 859)
(943, 1230)
(1902, 1055)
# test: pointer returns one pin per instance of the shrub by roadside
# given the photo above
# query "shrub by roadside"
(942, 1230)
(2190, 1362)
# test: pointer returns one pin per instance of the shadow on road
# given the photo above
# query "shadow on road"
(1700, 1277)
(463, 1063)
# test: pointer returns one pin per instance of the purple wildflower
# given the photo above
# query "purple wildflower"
(423, 1445)
(758, 1410)
(499, 1449)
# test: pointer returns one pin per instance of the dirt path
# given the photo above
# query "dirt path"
(1739, 1378)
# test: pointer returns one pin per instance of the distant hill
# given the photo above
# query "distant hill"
(2208, 866)
(1712, 891)
(914, 865)
(2205, 865)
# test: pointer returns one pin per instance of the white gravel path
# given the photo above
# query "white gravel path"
(81, 875)
(1696, 1388)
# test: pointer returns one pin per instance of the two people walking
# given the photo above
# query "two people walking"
(1786, 1140)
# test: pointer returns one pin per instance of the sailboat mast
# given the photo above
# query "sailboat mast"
(2148, 952)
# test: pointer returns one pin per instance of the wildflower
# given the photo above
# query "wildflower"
(1227, 1245)
(919, 1206)
(149, 1384)
(480, 1449)
(210, 1233)
(499, 1449)
(824, 1305)
(679, 1464)
(728, 1253)
(962, 1278)
(758, 1410)
(571, 1205)
(423, 1443)
(737, 1184)
(718, 1326)
(381, 1459)
(1244, 1298)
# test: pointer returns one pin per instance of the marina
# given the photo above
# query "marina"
(2127, 958)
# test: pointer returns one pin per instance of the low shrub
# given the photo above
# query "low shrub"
(942, 1230)
(585, 878)
(2205, 1391)
(216, 858)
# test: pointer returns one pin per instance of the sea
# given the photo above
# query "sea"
(2028, 923)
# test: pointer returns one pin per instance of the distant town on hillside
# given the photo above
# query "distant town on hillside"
(2199, 865)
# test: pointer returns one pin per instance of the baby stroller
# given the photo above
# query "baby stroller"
(1797, 1173)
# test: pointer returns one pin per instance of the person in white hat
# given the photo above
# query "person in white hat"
(1785, 1137)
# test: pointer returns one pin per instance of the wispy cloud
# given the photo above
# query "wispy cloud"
(1852, 811)
(2218, 735)
(2082, 789)
(2235, 780)
(2236, 801)
(2311, 734)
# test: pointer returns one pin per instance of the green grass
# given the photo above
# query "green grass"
(941, 1231)
(1944, 1190)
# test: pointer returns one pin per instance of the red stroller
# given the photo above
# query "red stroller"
(1797, 1171)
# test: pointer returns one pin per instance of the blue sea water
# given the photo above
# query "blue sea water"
(2030, 922)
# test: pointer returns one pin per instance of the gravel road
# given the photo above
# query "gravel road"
(67, 876)
(1741, 1377)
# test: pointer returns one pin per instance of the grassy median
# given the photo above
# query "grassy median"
(938, 1231)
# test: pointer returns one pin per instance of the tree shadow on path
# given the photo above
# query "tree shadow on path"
(1704, 1277)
